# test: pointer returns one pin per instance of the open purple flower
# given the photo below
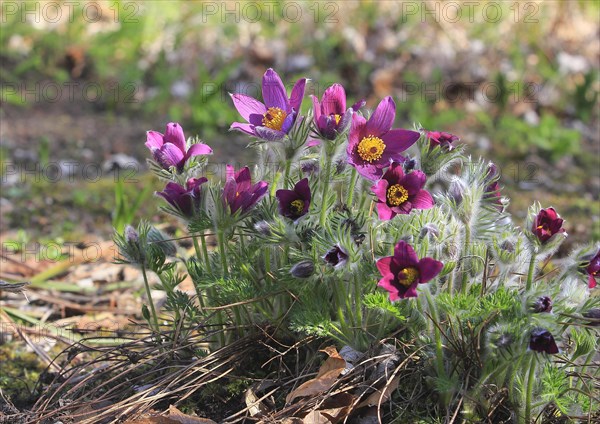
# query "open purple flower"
(170, 149)
(593, 270)
(404, 271)
(330, 114)
(294, 203)
(272, 119)
(186, 199)
(541, 340)
(546, 224)
(239, 193)
(336, 257)
(440, 138)
(373, 144)
(398, 193)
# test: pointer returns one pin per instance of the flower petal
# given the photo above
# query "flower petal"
(384, 266)
(382, 119)
(316, 108)
(384, 212)
(268, 134)
(154, 140)
(198, 149)
(428, 269)
(422, 200)
(404, 255)
(174, 135)
(380, 189)
(413, 182)
(398, 140)
(247, 128)
(169, 155)
(273, 90)
(334, 100)
(247, 105)
(297, 94)
(591, 281)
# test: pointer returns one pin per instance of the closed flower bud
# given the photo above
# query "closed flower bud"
(131, 235)
(263, 228)
(593, 314)
(409, 165)
(303, 269)
(508, 245)
(542, 304)
(541, 340)
(429, 230)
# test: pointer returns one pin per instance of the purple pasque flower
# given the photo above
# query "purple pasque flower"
(239, 194)
(398, 193)
(274, 118)
(541, 340)
(186, 199)
(336, 257)
(294, 203)
(330, 114)
(593, 270)
(404, 271)
(372, 144)
(440, 138)
(546, 224)
(492, 189)
(170, 149)
(542, 304)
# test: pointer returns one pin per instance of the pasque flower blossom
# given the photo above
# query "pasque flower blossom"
(546, 224)
(372, 144)
(239, 194)
(398, 193)
(274, 118)
(336, 257)
(170, 149)
(330, 114)
(294, 203)
(404, 271)
(186, 199)
(541, 340)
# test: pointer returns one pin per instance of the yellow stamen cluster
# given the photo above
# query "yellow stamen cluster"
(396, 195)
(370, 148)
(273, 118)
(408, 276)
(337, 118)
(297, 206)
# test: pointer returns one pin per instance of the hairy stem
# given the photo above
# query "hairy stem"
(325, 183)
(152, 309)
(439, 350)
(353, 178)
(531, 271)
(529, 391)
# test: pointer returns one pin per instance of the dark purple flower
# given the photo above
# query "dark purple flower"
(336, 257)
(372, 144)
(542, 304)
(440, 138)
(542, 341)
(546, 224)
(294, 203)
(170, 149)
(404, 271)
(272, 119)
(492, 189)
(239, 193)
(331, 116)
(593, 270)
(186, 199)
(398, 193)
(594, 314)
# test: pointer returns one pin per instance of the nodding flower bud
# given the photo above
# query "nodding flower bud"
(429, 230)
(409, 165)
(456, 190)
(303, 269)
(542, 304)
(131, 235)
(263, 228)
(504, 340)
(309, 167)
(541, 340)
(593, 314)
(336, 257)
(508, 245)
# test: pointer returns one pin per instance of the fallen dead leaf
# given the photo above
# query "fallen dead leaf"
(377, 397)
(328, 374)
(175, 417)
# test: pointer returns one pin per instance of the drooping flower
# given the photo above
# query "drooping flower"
(404, 271)
(398, 193)
(239, 194)
(541, 340)
(546, 224)
(492, 189)
(336, 257)
(303, 269)
(330, 114)
(186, 199)
(440, 138)
(542, 304)
(372, 144)
(294, 203)
(170, 149)
(593, 270)
(274, 118)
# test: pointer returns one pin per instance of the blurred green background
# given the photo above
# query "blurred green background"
(81, 82)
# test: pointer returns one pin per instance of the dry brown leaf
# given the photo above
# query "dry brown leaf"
(333, 410)
(374, 398)
(175, 417)
(328, 374)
